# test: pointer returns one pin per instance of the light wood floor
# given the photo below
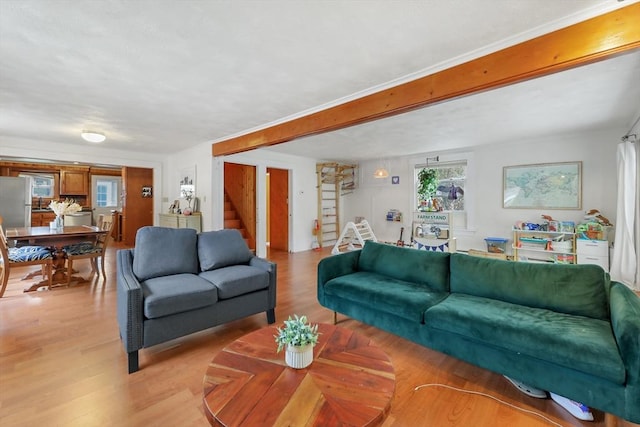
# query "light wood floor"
(62, 364)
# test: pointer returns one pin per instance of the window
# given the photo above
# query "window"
(447, 192)
(107, 193)
(41, 184)
(442, 186)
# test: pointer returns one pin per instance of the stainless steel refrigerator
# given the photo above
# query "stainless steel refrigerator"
(15, 202)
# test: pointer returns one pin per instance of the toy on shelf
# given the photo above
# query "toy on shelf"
(594, 215)
(433, 231)
(595, 226)
(394, 215)
(550, 241)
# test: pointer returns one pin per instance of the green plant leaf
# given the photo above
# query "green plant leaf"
(297, 332)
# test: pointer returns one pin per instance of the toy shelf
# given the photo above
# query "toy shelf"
(560, 246)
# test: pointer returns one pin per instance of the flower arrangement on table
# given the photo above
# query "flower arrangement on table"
(188, 196)
(69, 206)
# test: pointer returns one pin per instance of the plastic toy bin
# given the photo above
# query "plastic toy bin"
(496, 245)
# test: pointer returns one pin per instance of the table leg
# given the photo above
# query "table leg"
(59, 275)
(33, 274)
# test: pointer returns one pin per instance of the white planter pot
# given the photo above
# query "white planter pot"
(299, 357)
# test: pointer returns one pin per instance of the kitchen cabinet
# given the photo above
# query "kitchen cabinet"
(181, 221)
(74, 182)
(39, 219)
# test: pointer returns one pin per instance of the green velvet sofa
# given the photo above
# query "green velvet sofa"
(561, 328)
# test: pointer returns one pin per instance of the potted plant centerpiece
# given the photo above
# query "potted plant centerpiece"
(299, 337)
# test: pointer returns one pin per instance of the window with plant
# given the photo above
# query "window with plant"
(441, 187)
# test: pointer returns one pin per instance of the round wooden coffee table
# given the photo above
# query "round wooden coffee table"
(350, 382)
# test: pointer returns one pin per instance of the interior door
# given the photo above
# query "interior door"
(137, 201)
(105, 195)
(278, 201)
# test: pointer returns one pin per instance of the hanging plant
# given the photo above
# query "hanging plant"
(427, 183)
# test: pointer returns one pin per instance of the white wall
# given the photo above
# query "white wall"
(597, 151)
(373, 198)
(302, 190)
(199, 157)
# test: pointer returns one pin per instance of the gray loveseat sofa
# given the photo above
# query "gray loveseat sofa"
(176, 282)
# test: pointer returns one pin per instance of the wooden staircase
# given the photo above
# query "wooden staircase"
(232, 220)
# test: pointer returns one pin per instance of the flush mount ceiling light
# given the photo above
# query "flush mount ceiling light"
(92, 136)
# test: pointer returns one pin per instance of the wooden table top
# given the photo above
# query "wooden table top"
(350, 382)
(46, 232)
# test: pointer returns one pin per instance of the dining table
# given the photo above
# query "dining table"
(55, 240)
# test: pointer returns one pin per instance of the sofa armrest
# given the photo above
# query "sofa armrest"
(129, 302)
(625, 321)
(272, 269)
(336, 266)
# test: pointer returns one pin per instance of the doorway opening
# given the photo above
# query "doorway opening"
(278, 209)
(240, 200)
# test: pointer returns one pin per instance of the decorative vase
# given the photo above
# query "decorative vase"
(58, 223)
(299, 357)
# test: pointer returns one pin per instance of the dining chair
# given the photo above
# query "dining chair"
(99, 221)
(90, 250)
(22, 256)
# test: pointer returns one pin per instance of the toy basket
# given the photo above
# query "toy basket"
(496, 245)
(533, 243)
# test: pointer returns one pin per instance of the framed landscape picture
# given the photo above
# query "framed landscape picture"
(543, 186)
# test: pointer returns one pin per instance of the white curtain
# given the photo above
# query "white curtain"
(625, 264)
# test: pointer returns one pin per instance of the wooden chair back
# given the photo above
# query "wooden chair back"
(101, 243)
(5, 263)
(99, 221)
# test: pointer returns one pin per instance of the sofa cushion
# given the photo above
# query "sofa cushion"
(28, 253)
(428, 269)
(175, 294)
(237, 280)
(575, 342)
(571, 289)
(221, 248)
(161, 251)
(404, 299)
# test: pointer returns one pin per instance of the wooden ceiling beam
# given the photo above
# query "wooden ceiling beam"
(589, 41)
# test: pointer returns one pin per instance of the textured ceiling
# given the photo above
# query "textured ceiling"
(603, 95)
(158, 75)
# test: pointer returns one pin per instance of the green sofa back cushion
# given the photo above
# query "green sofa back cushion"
(161, 251)
(430, 269)
(565, 288)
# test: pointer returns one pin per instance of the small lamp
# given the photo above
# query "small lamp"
(381, 173)
(92, 136)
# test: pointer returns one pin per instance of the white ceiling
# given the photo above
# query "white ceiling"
(159, 76)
